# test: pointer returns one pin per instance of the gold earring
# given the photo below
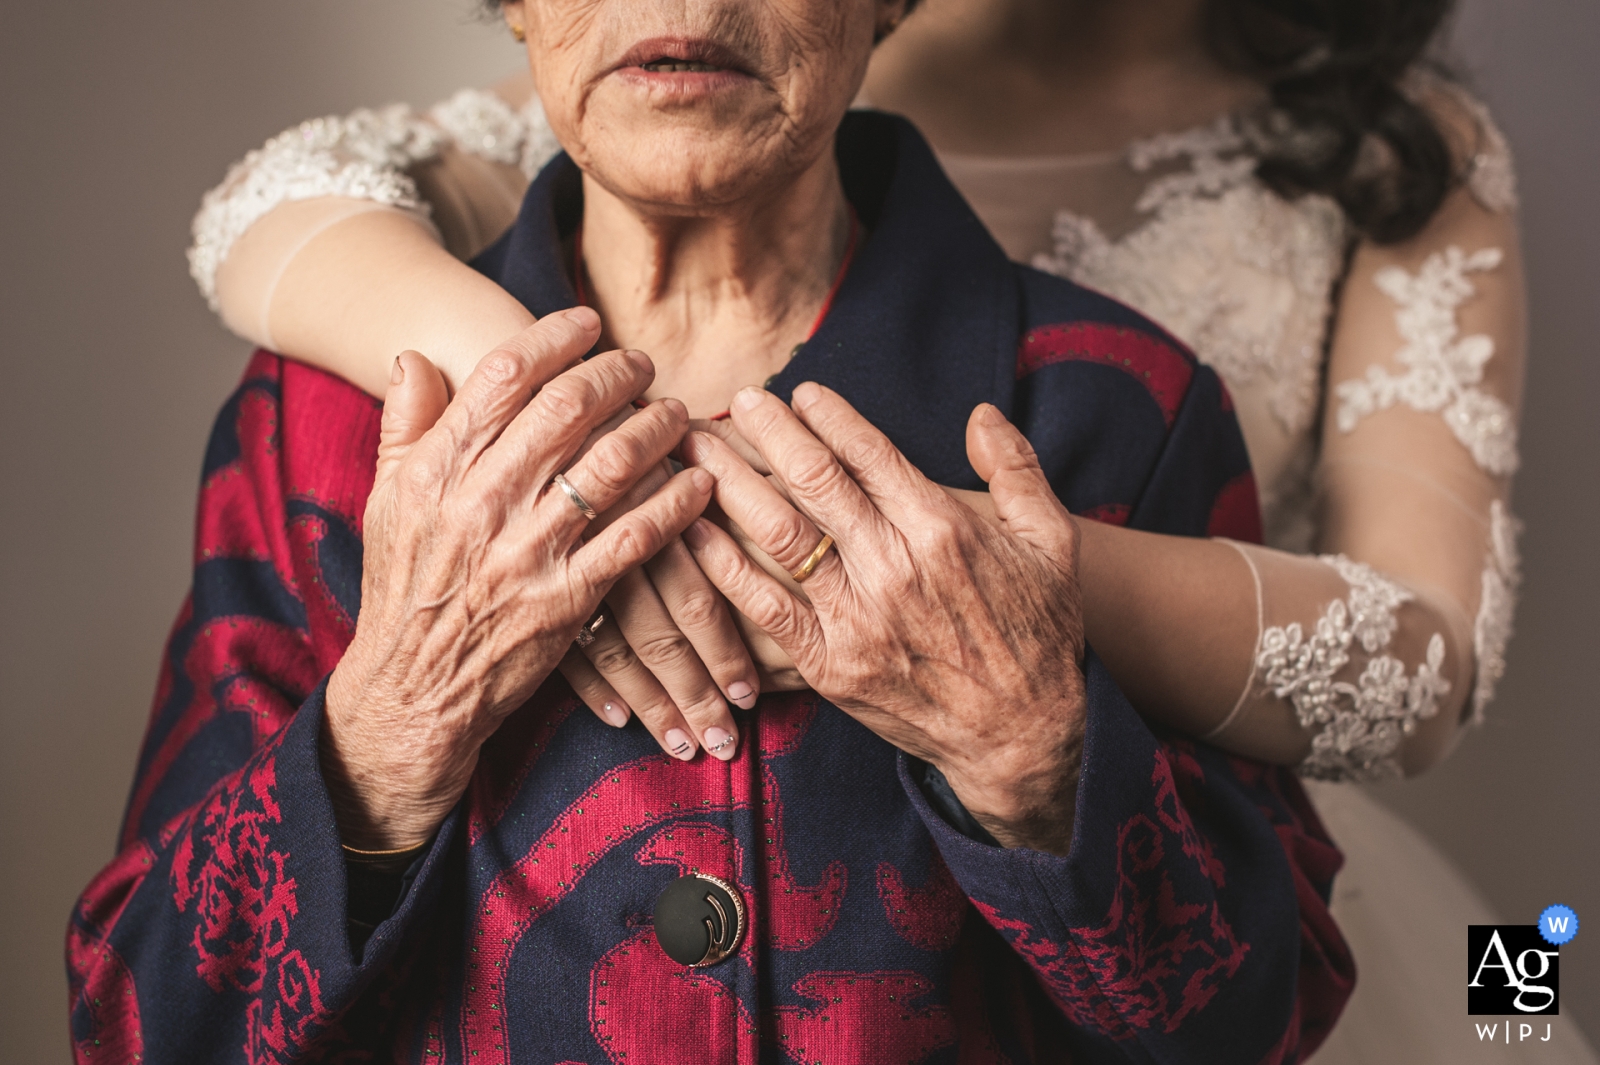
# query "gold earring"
(519, 32)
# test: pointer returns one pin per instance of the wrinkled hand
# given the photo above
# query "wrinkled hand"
(957, 640)
(669, 651)
(475, 579)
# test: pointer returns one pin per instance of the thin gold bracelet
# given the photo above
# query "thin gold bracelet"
(396, 860)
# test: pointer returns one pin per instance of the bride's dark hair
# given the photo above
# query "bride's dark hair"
(1334, 69)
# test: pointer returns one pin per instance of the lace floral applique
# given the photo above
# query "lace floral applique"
(1240, 274)
(1491, 173)
(1443, 368)
(1491, 631)
(483, 124)
(1358, 725)
(363, 155)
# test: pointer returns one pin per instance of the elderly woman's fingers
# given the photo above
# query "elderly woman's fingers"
(755, 593)
(768, 519)
(724, 429)
(611, 468)
(614, 661)
(417, 398)
(808, 471)
(544, 436)
(497, 391)
(896, 487)
(634, 538)
(1023, 500)
(592, 688)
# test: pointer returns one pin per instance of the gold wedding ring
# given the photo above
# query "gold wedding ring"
(572, 493)
(809, 565)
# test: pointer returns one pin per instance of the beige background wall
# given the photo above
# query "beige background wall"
(117, 116)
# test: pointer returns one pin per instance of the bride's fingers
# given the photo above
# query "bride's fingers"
(700, 613)
(615, 663)
(651, 638)
(588, 685)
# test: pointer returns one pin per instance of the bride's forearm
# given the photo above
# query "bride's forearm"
(1263, 656)
(1175, 621)
(360, 291)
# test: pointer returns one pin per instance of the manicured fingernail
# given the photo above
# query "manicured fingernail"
(742, 695)
(641, 360)
(721, 743)
(614, 713)
(676, 407)
(748, 398)
(805, 394)
(702, 480)
(679, 745)
(397, 374)
(697, 535)
(989, 414)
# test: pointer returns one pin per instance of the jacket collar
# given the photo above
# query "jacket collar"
(923, 328)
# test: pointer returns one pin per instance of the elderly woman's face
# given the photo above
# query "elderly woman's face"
(685, 106)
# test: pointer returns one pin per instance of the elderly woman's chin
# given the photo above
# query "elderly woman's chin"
(720, 149)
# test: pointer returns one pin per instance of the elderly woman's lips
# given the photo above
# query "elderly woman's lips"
(679, 66)
(682, 55)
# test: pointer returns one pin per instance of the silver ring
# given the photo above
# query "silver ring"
(572, 493)
(593, 625)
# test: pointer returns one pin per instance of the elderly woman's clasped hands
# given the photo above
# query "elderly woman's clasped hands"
(955, 638)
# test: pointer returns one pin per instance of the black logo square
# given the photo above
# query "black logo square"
(1511, 970)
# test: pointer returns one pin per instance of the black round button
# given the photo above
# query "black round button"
(699, 920)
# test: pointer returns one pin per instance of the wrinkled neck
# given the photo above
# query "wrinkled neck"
(718, 296)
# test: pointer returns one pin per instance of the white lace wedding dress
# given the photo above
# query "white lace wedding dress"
(1375, 395)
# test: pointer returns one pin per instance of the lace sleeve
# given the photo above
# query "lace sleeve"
(1405, 619)
(368, 156)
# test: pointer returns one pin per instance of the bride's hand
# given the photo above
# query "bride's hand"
(672, 652)
(672, 648)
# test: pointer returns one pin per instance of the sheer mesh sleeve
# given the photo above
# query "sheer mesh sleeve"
(459, 170)
(1404, 620)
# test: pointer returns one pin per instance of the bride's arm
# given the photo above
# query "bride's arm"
(341, 242)
(1365, 661)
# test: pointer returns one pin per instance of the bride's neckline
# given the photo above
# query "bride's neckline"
(1216, 134)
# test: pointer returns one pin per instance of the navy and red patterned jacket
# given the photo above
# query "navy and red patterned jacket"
(1188, 923)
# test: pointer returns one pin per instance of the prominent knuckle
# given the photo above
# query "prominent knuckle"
(770, 613)
(500, 367)
(788, 536)
(815, 472)
(867, 451)
(615, 463)
(664, 650)
(698, 609)
(936, 532)
(613, 658)
(422, 473)
(568, 400)
(471, 509)
(631, 539)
